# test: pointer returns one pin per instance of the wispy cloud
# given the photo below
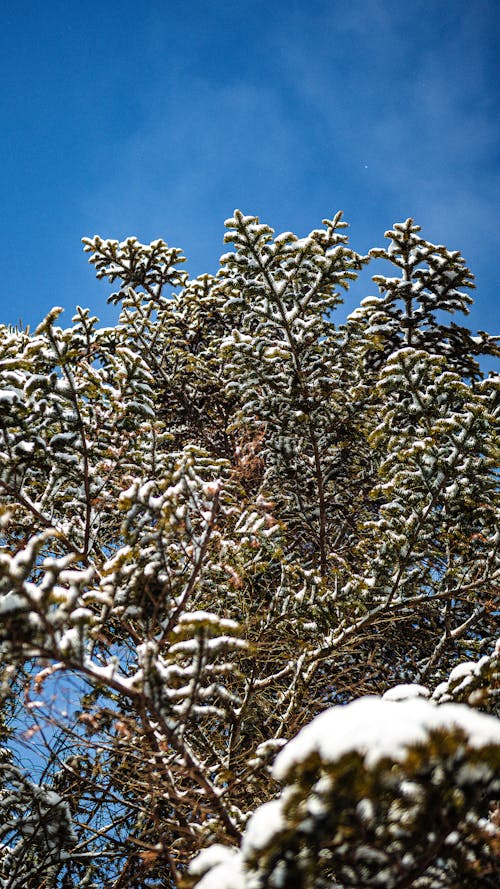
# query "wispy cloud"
(384, 112)
(200, 153)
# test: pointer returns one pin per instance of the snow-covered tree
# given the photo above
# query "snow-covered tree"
(376, 793)
(431, 282)
(225, 521)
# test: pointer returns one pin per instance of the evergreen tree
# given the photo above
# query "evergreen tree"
(430, 281)
(225, 515)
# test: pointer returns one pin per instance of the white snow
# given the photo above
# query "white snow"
(25, 447)
(11, 602)
(462, 670)
(265, 822)
(8, 396)
(406, 692)
(377, 728)
(209, 858)
(227, 874)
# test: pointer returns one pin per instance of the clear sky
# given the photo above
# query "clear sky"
(157, 119)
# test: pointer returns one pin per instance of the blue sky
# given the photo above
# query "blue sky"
(157, 119)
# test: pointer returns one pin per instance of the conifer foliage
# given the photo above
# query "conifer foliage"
(248, 575)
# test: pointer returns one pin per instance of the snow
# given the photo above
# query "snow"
(406, 692)
(262, 826)
(70, 641)
(209, 858)
(207, 617)
(81, 615)
(377, 728)
(24, 447)
(8, 396)
(10, 602)
(227, 874)
(462, 670)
